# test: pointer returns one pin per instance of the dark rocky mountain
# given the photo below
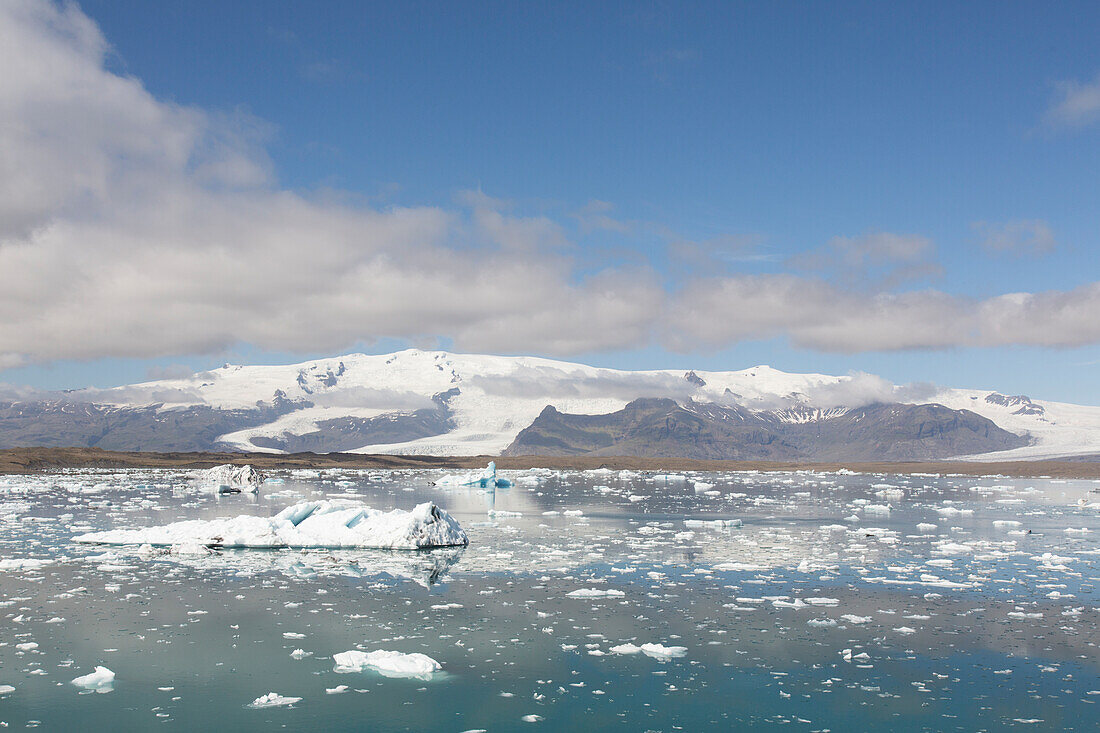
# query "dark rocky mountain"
(76, 424)
(661, 428)
(61, 423)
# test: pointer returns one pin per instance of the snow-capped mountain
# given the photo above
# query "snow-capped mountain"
(434, 402)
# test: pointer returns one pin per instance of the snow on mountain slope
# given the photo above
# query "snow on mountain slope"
(489, 399)
(1059, 429)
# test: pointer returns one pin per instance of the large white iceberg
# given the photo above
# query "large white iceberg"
(101, 680)
(387, 663)
(487, 479)
(331, 524)
(230, 479)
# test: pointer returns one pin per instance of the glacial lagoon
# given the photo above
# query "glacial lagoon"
(584, 601)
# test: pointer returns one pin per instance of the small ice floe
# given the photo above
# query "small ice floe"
(487, 479)
(6, 689)
(659, 652)
(336, 690)
(300, 654)
(387, 663)
(273, 700)
(663, 653)
(22, 563)
(596, 593)
(713, 523)
(230, 479)
(100, 680)
(702, 487)
(311, 524)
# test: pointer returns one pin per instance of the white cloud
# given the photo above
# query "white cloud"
(814, 314)
(1031, 236)
(596, 215)
(1076, 104)
(879, 260)
(133, 227)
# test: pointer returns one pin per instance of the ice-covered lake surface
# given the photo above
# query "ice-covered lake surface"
(584, 601)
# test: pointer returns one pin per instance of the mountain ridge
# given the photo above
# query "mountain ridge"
(438, 403)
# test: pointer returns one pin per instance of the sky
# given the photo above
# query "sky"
(841, 187)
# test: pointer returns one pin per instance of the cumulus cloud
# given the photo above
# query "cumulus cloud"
(874, 260)
(551, 382)
(135, 227)
(1075, 104)
(815, 314)
(1021, 236)
(596, 215)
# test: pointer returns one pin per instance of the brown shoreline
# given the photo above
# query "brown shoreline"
(38, 460)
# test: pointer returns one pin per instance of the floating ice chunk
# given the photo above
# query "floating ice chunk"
(596, 593)
(487, 479)
(6, 689)
(532, 718)
(101, 680)
(663, 653)
(627, 648)
(821, 622)
(878, 510)
(670, 478)
(925, 527)
(22, 563)
(300, 654)
(273, 700)
(701, 487)
(853, 619)
(713, 523)
(230, 479)
(320, 524)
(389, 664)
(336, 690)
(1006, 523)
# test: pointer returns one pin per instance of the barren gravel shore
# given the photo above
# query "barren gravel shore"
(36, 460)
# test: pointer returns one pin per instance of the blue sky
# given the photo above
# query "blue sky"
(866, 152)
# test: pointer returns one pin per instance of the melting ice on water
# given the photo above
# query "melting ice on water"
(311, 524)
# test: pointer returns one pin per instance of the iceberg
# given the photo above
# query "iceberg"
(101, 680)
(273, 700)
(328, 524)
(230, 479)
(386, 663)
(487, 479)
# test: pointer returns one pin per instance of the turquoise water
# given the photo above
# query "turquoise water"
(969, 625)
